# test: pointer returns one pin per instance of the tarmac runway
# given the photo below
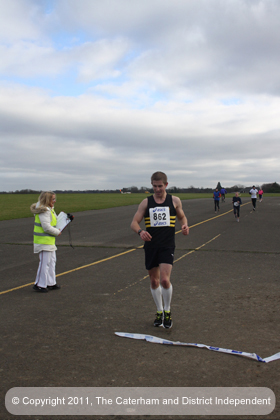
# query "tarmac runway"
(226, 294)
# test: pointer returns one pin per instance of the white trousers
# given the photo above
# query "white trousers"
(46, 270)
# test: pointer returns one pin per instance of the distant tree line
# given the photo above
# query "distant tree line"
(267, 188)
(271, 188)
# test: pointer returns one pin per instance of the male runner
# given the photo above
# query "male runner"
(253, 192)
(216, 196)
(223, 194)
(159, 211)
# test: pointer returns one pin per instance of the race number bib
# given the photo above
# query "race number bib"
(236, 203)
(159, 216)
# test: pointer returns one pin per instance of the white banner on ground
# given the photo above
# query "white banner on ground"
(152, 339)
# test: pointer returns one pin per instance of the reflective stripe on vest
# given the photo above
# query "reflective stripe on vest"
(40, 236)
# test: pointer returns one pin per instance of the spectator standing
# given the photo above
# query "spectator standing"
(45, 232)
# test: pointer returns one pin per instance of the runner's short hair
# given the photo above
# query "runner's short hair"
(159, 176)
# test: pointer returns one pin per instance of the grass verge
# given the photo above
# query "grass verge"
(17, 206)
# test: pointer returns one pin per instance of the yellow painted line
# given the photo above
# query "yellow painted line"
(196, 249)
(71, 271)
(212, 218)
(119, 255)
(130, 285)
(16, 288)
(178, 259)
(96, 262)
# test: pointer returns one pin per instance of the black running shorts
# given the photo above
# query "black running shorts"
(156, 256)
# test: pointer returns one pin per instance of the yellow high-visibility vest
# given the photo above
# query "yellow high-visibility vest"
(41, 237)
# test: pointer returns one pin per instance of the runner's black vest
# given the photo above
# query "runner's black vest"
(162, 235)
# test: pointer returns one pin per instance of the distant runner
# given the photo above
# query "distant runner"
(254, 193)
(216, 196)
(236, 201)
(223, 194)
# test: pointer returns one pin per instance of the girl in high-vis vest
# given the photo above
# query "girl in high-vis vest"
(45, 232)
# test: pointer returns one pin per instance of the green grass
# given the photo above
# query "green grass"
(17, 206)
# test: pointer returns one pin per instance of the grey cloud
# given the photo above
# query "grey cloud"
(188, 87)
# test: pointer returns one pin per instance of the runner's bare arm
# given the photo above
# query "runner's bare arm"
(181, 215)
(138, 217)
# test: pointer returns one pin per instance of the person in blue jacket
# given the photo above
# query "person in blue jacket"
(223, 194)
(216, 196)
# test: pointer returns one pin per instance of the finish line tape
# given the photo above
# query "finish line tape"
(152, 339)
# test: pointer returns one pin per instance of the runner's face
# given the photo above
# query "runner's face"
(159, 188)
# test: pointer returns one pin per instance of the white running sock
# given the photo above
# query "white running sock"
(167, 295)
(157, 295)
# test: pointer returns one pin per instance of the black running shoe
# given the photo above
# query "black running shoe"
(167, 320)
(40, 289)
(158, 320)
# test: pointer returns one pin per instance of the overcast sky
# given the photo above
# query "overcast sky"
(99, 94)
